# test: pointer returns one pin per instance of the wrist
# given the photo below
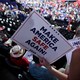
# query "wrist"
(48, 67)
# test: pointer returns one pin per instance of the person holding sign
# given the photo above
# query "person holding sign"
(27, 61)
(39, 71)
(74, 71)
(75, 42)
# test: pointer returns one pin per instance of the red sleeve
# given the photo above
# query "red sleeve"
(25, 60)
(21, 62)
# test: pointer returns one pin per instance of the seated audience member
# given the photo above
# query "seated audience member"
(8, 42)
(26, 60)
(5, 47)
(16, 57)
(4, 50)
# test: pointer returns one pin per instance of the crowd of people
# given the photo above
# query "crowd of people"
(65, 17)
(68, 19)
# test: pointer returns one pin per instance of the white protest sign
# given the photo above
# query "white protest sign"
(76, 44)
(37, 35)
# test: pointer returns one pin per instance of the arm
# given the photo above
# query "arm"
(74, 71)
(58, 74)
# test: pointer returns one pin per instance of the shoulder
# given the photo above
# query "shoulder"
(76, 51)
(76, 54)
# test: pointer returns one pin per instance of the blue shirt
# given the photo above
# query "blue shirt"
(40, 72)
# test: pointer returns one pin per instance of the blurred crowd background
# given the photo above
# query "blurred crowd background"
(61, 14)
